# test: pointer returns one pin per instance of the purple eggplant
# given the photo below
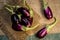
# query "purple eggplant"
(48, 13)
(47, 10)
(24, 11)
(30, 20)
(43, 32)
(16, 24)
(25, 22)
(17, 27)
(14, 18)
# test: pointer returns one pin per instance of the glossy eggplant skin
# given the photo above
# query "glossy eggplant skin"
(48, 13)
(24, 11)
(16, 25)
(30, 20)
(14, 18)
(42, 33)
(25, 22)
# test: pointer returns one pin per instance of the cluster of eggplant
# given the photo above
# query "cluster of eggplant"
(21, 18)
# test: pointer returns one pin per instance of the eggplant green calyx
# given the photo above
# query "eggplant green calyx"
(49, 26)
(11, 9)
(45, 4)
(19, 16)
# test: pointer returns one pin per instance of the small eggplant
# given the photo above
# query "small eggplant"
(48, 13)
(44, 31)
(17, 27)
(24, 11)
(16, 23)
(15, 18)
(47, 10)
(25, 22)
(30, 20)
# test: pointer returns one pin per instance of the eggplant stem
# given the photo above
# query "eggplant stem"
(28, 6)
(45, 4)
(19, 16)
(49, 26)
(30, 9)
(31, 13)
(54, 21)
(26, 28)
(24, 2)
(9, 8)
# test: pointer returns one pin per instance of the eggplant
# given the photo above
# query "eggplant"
(44, 31)
(25, 22)
(17, 27)
(30, 20)
(14, 18)
(24, 11)
(48, 13)
(47, 10)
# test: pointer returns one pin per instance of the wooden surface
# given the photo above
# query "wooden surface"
(36, 5)
(55, 6)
